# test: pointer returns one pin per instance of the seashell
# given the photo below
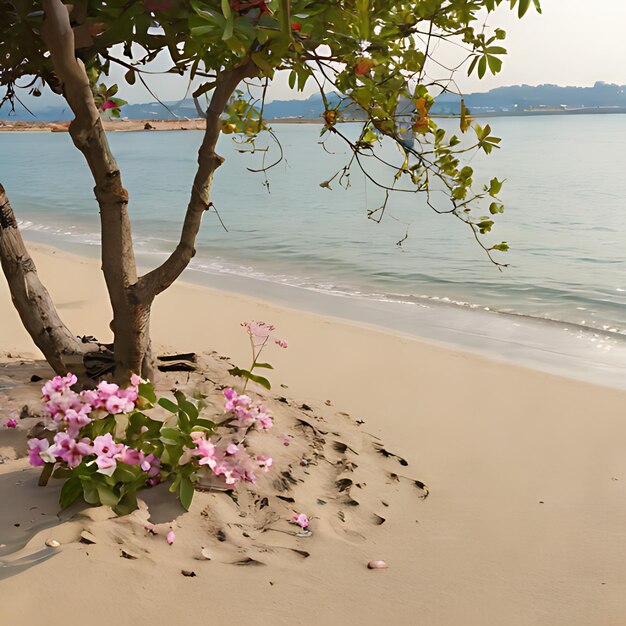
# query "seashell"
(377, 565)
(52, 543)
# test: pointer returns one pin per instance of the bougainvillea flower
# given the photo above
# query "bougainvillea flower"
(11, 423)
(171, 537)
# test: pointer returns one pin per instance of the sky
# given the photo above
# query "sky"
(569, 44)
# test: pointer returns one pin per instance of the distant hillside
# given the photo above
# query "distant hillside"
(521, 98)
(512, 100)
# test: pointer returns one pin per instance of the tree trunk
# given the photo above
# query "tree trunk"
(133, 348)
(131, 297)
(63, 351)
(130, 317)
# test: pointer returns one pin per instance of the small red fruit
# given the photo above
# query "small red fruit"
(364, 66)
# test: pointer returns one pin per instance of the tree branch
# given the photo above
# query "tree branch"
(63, 351)
(159, 279)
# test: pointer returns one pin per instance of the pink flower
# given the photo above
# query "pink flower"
(281, 343)
(247, 413)
(135, 380)
(91, 397)
(259, 331)
(130, 456)
(38, 452)
(117, 404)
(106, 390)
(265, 462)
(75, 420)
(58, 384)
(151, 464)
(171, 537)
(105, 445)
(206, 450)
(301, 520)
(69, 450)
(106, 465)
(11, 423)
(108, 104)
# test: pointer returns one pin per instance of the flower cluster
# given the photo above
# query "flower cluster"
(108, 448)
(225, 458)
(261, 332)
(107, 453)
(246, 413)
(71, 411)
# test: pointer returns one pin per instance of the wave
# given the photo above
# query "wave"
(513, 300)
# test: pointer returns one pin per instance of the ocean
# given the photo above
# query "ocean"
(289, 239)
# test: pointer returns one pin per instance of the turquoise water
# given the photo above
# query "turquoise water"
(565, 219)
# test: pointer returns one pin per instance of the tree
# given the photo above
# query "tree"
(375, 53)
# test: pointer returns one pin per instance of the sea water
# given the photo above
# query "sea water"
(281, 235)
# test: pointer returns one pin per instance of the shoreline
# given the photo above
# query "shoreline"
(565, 349)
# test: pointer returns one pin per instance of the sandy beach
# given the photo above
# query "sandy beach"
(526, 474)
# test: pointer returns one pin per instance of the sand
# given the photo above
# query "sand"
(524, 521)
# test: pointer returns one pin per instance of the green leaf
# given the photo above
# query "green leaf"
(103, 426)
(523, 7)
(184, 422)
(260, 380)
(107, 495)
(495, 64)
(90, 493)
(71, 490)
(146, 391)
(204, 423)
(482, 67)
(230, 20)
(495, 186)
(125, 473)
(185, 405)
(485, 226)
(185, 492)
(501, 247)
(170, 436)
(284, 16)
(265, 365)
(127, 503)
(168, 405)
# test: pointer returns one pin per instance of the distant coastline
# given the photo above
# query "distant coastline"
(125, 125)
